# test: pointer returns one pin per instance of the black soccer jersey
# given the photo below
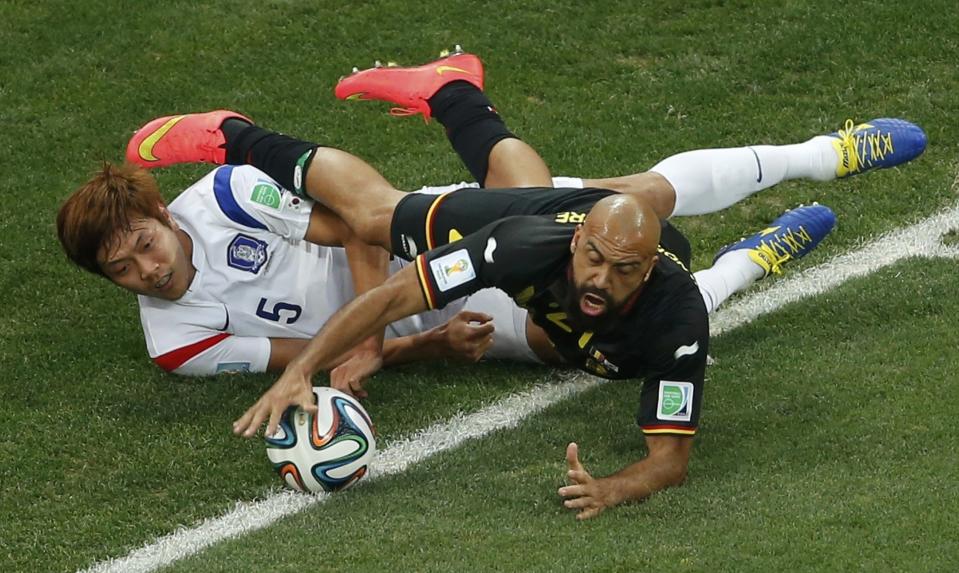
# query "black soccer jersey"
(662, 337)
(422, 222)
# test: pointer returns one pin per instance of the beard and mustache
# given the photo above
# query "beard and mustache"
(601, 323)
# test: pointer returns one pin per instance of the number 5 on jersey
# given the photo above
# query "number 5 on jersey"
(278, 308)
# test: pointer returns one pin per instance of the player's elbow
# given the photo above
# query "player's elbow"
(674, 472)
(671, 455)
(185, 370)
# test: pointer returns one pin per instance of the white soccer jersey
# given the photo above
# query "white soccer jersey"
(256, 279)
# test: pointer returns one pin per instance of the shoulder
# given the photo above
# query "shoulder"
(171, 324)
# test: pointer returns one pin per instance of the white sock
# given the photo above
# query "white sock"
(709, 180)
(731, 273)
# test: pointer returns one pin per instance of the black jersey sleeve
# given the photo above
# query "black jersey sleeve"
(672, 394)
(508, 254)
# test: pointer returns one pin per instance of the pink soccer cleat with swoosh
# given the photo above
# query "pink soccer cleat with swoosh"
(410, 88)
(188, 138)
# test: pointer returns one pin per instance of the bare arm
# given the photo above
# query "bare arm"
(369, 268)
(664, 466)
(398, 297)
(466, 336)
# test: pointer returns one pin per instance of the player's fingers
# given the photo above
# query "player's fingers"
(572, 491)
(274, 421)
(248, 418)
(578, 502)
(572, 457)
(484, 346)
(242, 422)
(471, 316)
(578, 476)
(258, 416)
(357, 390)
(589, 513)
(306, 402)
(484, 329)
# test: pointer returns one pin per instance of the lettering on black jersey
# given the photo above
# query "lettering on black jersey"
(570, 217)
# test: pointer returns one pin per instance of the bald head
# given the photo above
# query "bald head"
(625, 224)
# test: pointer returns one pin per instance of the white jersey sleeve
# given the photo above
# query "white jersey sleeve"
(231, 354)
(249, 197)
(197, 339)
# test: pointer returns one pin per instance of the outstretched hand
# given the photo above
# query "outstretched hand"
(587, 495)
(293, 388)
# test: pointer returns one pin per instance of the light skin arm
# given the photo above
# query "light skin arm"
(369, 268)
(467, 336)
(398, 297)
(664, 466)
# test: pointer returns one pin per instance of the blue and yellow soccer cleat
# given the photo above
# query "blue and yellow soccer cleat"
(791, 236)
(877, 144)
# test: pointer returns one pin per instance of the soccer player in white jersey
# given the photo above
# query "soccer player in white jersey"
(234, 276)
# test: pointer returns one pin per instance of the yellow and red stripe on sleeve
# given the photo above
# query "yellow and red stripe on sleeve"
(429, 293)
(430, 216)
(658, 429)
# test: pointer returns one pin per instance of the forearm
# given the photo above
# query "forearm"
(421, 346)
(643, 478)
(367, 314)
(369, 267)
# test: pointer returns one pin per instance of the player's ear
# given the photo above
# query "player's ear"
(575, 240)
(169, 218)
(652, 265)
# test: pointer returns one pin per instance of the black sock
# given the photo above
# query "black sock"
(282, 157)
(232, 127)
(472, 125)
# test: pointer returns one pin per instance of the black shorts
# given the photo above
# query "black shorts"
(423, 222)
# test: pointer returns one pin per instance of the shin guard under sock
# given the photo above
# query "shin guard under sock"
(472, 125)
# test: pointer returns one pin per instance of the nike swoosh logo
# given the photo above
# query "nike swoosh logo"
(443, 69)
(686, 350)
(146, 146)
(490, 247)
(758, 164)
(356, 96)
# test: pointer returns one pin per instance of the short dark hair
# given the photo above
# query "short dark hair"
(106, 204)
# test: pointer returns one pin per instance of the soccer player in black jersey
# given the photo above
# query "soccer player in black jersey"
(605, 277)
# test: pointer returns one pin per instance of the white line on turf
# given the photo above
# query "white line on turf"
(923, 239)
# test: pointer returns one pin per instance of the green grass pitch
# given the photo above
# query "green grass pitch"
(827, 441)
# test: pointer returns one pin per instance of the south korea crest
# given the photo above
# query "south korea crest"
(246, 253)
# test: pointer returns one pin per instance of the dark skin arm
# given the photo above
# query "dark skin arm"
(398, 297)
(664, 466)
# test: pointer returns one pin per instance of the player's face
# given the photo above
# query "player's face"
(605, 275)
(149, 259)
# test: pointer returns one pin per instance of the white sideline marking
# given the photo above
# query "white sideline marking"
(922, 239)
(250, 516)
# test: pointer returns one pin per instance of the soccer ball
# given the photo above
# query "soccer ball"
(329, 451)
